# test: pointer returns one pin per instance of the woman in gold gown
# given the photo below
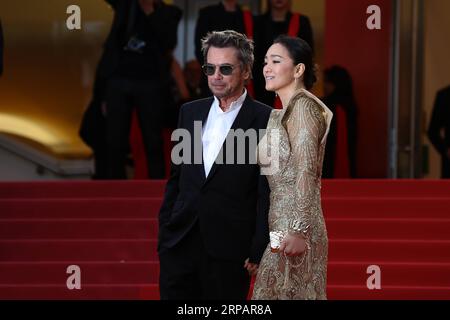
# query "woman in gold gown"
(297, 268)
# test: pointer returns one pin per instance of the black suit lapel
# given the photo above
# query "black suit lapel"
(245, 116)
(243, 121)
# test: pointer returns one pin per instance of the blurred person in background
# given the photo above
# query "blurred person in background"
(226, 15)
(133, 73)
(340, 155)
(278, 20)
(439, 129)
(193, 75)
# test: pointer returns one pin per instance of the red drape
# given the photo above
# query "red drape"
(248, 23)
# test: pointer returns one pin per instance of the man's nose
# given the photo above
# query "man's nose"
(217, 74)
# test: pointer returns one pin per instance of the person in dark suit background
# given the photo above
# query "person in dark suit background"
(193, 75)
(213, 225)
(1, 48)
(340, 154)
(93, 125)
(278, 20)
(226, 15)
(134, 71)
(440, 121)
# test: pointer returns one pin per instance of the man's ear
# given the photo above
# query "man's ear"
(247, 74)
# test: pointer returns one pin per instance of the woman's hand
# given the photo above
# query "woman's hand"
(293, 245)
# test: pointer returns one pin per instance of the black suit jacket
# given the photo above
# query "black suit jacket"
(440, 120)
(231, 205)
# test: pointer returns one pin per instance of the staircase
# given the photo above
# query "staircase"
(109, 230)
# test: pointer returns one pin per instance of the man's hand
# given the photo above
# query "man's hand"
(252, 268)
(293, 246)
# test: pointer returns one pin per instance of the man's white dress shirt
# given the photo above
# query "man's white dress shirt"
(216, 129)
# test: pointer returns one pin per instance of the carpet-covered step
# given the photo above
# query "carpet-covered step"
(414, 229)
(411, 229)
(368, 251)
(138, 188)
(362, 292)
(391, 274)
(145, 250)
(345, 273)
(78, 250)
(151, 292)
(109, 229)
(78, 229)
(380, 207)
(87, 292)
(346, 292)
(91, 272)
(438, 208)
(386, 188)
(84, 208)
(82, 189)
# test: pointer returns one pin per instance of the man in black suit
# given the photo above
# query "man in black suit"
(133, 72)
(213, 226)
(441, 120)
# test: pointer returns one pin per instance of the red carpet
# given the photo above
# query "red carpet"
(109, 230)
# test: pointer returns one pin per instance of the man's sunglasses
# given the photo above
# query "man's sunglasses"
(224, 69)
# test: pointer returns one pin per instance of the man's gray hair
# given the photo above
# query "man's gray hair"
(231, 39)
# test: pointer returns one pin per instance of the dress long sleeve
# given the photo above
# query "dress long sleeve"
(306, 126)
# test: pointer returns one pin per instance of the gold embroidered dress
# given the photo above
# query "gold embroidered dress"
(295, 201)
